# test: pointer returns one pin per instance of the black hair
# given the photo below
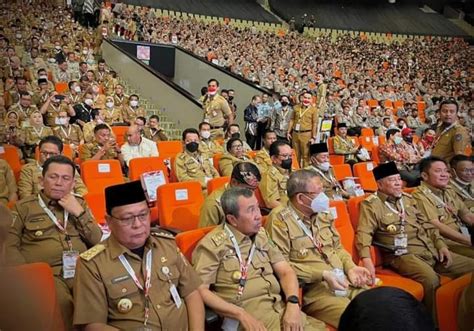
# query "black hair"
(230, 142)
(100, 127)
(459, 158)
(275, 147)
(61, 159)
(189, 130)
(52, 140)
(213, 80)
(425, 164)
(391, 132)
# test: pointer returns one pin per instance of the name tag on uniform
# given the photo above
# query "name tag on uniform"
(230, 324)
(464, 230)
(297, 127)
(401, 243)
(69, 263)
(175, 295)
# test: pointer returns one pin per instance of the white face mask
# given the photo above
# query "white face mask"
(77, 89)
(110, 105)
(324, 166)
(205, 134)
(60, 121)
(320, 203)
(43, 77)
(88, 102)
(85, 51)
(134, 103)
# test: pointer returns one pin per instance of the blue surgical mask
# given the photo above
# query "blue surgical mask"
(320, 203)
(397, 140)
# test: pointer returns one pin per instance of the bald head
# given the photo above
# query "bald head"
(133, 135)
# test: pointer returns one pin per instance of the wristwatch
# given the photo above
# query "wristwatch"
(293, 299)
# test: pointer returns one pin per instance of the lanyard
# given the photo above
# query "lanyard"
(347, 142)
(38, 133)
(243, 266)
(64, 131)
(446, 207)
(331, 179)
(62, 228)
(302, 113)
(147, 276)
(317, 244)
(401, 214)
(464, 193)
(438, 137)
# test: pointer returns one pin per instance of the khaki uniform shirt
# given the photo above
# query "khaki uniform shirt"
(210, 147)
(379, 225)
(194, 168)
(103, 282)
(451, 143)
(263, 160)
(345, 146)
(215, 109)
(53, 112)
(121, 101)
(464, 192)
(228, 161)
(155, 134)
(321, 94)
(23, 113)
(29, 182)
(211, 211)
(88, 131)
(33, 237)
(113, 115)
(307, 118)
(129, 114)
(273, 185)
(91, 149)
(343, 118)
(7, 182)
(428, 201)
(33, 135)
(215, 260)
(70, 135)
(331, 186)
(299, 250)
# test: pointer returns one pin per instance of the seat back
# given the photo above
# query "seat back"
(331, 145)
(342, 171)
(179, 205)
(96, 203)
(336, 159)
(216, 183)
(188, 240)
(375, 154)
(353, 205)
(215, 161)
(367, 142)
(363, 170)
(367, 132)
(119, 132)
(344, 227)
(12, 156)
(140, 165)
(31, 299)
(170, 148)
(99, 174)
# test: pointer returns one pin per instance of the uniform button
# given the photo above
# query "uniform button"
(124, 290)
(158, 306)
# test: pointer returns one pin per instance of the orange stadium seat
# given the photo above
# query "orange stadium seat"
(398, 104)
(215, 160)
(38, 294)
(67, 151)
(336, 159)
(342, 171)
(447, 302)
(12, 156)
(99, 174)
(179, 205)
(170, 148)
(372, 103)
(120, 132)
(331, 145)
(139, 166)
(61, 87)
(367, 142)
(96, 203)
(252, 154)
(188, 240)
(375, 154)
(367, 132)
(216, 183)
(365, 176)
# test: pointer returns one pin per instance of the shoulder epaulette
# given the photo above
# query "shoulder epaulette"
(92, 252)
(371, 198)
(162, 234)
(219, 237)
(406, 194)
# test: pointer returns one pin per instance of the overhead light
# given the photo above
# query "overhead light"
(392, 1)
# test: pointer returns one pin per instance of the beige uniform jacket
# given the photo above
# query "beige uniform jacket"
(305, 117)
(263, 160)
(451, 143)
(379, 225)
(33, 237)
(210, 147)
(345, 146)
(211, 211)
(228, 161)
(29, 182)
(70, 135)
(155, 135)
(194, 168)
(129, 114)
(216, 109)
(91, 149)
(464, 192)
(7, 182)
(33, 135)
(113, 115)
(331, 186)
(273, 185)
(102, 282)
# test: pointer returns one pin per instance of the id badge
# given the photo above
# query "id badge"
(337, 197)
(401, 241)
(464, 230)
(69, 263)
(230, 324)
(211, 161)
(175, 295)
(297, 127)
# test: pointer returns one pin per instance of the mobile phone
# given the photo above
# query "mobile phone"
(59, 97)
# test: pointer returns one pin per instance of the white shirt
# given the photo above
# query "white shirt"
(146, 148)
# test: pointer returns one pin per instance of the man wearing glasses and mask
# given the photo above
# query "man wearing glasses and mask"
(303, 230)
(137, 279)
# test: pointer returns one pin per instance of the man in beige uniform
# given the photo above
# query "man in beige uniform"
(191, 164)
(70, 134)
(273, 184)
(462, 180)
(53, 106)
(409, 243)
(262, 158)
(244, 174)
(320, 164)
(29, 183)
(7, 184)
(104, 146)
(443, 207)
(303, 127)
(208, 146)
(133, 269)
(242, 265)
(131, 111)
(235, 154)
(53, 227)
(216, 109)
(154, 131)
(451, 137)
(343, 145)
(303, 230)
(321, 94)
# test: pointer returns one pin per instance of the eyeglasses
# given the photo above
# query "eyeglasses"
(49, 154)
(128, 221)
(237, 146)
(285, 156)
(466, 171)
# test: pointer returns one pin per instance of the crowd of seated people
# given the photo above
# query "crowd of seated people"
(60, 106)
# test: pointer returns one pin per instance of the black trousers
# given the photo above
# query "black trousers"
(251, 140)
(261, 127)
